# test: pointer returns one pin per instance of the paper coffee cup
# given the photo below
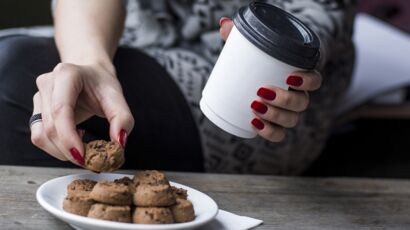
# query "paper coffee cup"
(265, 45)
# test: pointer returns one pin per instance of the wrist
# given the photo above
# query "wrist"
(88, 56)
(100, 63)
(107, 65)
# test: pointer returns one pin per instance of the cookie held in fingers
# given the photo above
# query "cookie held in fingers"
(110, 212)
(152, 216)
(153, 196)
(113, 193)
(103, 156)
(183, 211)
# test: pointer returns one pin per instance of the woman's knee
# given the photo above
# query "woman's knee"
(19, 51)
(22, 59)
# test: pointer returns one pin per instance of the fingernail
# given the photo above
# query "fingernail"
(223, 20)
(258, 124)
(77, 156)
(259, 107)
(122, 138)
(294, 81)
(266, 94)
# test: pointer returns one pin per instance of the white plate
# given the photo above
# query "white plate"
(51, 194)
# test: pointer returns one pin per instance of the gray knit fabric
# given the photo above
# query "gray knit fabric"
(183, 36)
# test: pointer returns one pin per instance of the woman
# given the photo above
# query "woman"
(85, 88)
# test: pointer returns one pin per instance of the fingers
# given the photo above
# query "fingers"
(226, 25)
(67, 87)
(278, 109)
(269, 131)
(118, 114)
(38, 136)
(45, 86)
(289, 100)
(284, 118)
(305, 80)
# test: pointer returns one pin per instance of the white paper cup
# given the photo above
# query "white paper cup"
(255, 55)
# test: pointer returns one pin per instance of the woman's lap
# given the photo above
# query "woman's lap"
(165, 135)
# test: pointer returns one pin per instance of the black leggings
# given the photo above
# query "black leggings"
(165, 135)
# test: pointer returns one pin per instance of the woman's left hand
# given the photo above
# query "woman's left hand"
(276, 109)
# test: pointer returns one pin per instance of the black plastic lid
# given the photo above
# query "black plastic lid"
(279, 34)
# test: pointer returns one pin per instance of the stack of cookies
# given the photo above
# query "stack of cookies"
(148, 198)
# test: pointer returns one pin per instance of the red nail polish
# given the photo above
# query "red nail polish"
(122, 139)
(223, 20)
(266, 94)
(77, 156)
(294, 81)
(258, 124)
(259, 107)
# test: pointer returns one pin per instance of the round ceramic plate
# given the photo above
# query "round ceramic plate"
(50, 196)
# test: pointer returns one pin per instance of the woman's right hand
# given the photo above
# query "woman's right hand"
(71, 94)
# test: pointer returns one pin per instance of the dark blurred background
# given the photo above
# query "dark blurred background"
(18, 13)
(374, 143)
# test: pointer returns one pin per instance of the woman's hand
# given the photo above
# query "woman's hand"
(276, 108)
(71, 94)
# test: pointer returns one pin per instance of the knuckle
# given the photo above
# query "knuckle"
(274, 115)
(130, 120)
(281, 136)
(37, 139)
(294, 121)
(305, 104)
(65, 69)
(61, 67)
(41, 80)
(57, 109)
(275, 134)
(286, 99)
(269, 133)
(302, 104)
(36, 97)
(278, 134)
(49, 130)
(315, 81)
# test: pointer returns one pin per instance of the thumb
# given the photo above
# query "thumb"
(226, 27)
(119, 116)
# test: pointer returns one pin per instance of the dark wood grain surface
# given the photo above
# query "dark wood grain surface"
(281, 202)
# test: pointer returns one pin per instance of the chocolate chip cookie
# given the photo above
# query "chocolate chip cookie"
(183, 211)
(110, 212)
(103, 156)
(150, 177)
(152, 216)
(153, 196)
(113, 193)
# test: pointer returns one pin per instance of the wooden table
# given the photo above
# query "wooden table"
(281, 202)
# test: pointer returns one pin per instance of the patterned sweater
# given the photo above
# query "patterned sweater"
(194, 23)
